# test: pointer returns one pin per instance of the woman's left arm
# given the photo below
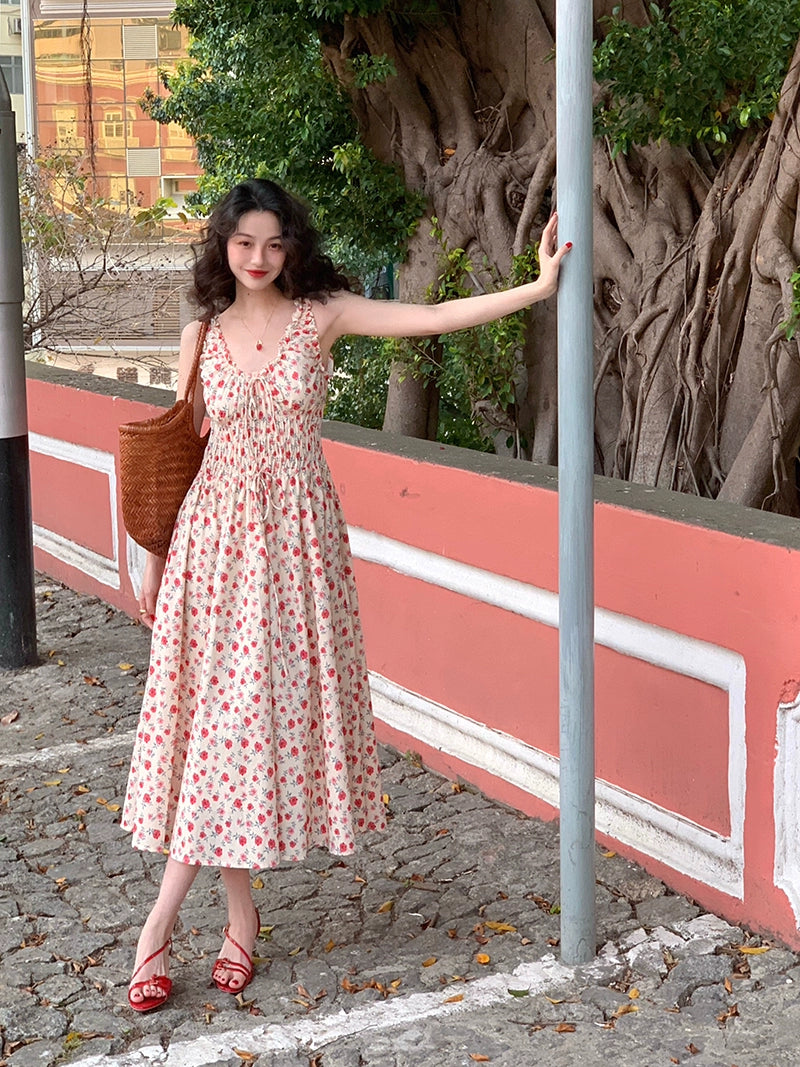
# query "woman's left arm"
(350, 314)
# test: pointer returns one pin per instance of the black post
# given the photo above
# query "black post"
(17, 602)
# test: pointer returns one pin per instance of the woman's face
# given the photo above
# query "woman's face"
(255, 250)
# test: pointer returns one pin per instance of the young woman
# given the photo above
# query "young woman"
(255, 741)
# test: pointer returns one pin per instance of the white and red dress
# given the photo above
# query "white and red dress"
(255, 740)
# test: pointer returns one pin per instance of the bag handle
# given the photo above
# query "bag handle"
(192, 382)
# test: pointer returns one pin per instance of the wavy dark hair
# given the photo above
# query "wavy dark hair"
(307, 272)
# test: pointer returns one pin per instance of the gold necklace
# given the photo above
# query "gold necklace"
(258, 340)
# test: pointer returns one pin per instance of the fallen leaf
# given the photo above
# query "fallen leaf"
(452, 933)
(80, 789)
(731, 1013)
(91, 679)
(609, 855)
(565, 1028)
(360, 880)
(728, 985)
(331, 945)
(754, 951)
(63, 770)
(455, 999)
(501, 928)
(125, 666)
(385, 798)
(101, 800)
(456, 787)
(113, 807)
(520, 992)
(479, 1057)
(553, 1000)
(11, 717)
(246, 1057)
(396, 983)
(481, 957)
(258, 883)
(61, 663)
(429, 962)
(303, 992)
(625, 1009)
(633, 993)
(386, 906)
(691, 1047)
(53, 781)
(295, 952)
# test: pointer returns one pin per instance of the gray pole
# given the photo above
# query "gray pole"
(17, 603)
(575, 479)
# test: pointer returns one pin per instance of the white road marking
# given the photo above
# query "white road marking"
(311, 1034)
(69, 750)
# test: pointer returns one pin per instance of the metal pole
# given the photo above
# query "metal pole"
(575, 479)
(28, 76)
(17, 603)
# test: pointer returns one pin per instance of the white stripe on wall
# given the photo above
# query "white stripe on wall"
(668, 836)
(103, 569)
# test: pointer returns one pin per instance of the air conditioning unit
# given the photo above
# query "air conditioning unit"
(14, 25)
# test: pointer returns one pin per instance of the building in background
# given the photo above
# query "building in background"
(91, 64)
(91, 75)
(11, 60)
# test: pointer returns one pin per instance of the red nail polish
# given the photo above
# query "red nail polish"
(569, 244)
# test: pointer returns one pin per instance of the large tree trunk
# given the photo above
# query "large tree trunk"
(697, 387)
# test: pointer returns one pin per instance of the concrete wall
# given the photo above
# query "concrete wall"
(698, 713)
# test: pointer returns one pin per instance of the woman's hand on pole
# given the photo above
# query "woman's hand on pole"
(550, 256)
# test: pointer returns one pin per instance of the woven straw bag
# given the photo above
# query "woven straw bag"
(158, 460)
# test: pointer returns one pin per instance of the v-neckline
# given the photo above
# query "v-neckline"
(270, 363)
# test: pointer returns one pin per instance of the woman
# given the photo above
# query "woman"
(255, 741)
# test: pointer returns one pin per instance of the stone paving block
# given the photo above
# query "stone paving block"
(665, 911)
(37, 1054)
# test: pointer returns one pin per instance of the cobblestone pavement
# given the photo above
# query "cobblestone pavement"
(434, 946)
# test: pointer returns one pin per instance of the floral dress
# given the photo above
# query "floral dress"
(255, 740)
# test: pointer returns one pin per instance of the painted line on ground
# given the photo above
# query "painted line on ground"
(312, 1034)
(68, 749)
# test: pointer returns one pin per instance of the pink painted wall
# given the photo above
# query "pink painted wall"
(663, 736)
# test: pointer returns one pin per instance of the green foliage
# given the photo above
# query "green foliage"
(358, 385)
(476, 370)
(368, 69)
(259, 101)
(791, 325)
(700, 70)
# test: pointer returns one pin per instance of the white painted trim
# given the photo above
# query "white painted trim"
(786, 803)
(668, 836)
(103, 569)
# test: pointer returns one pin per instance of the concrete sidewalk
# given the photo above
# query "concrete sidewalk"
(436, 945)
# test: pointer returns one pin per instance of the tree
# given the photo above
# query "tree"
(697, 293)
(98, 270)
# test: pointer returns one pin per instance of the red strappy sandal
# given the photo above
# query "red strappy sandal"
(231, 965)
(160, 980)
